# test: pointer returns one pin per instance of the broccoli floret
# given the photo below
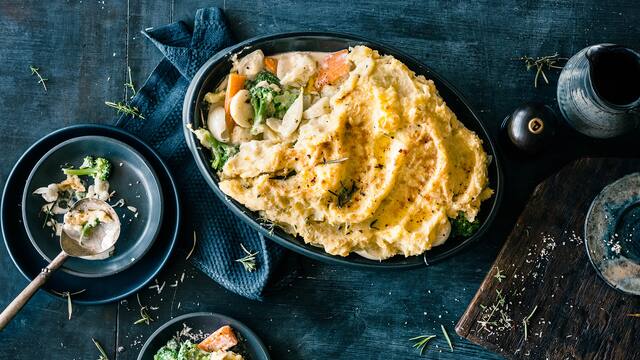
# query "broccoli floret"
(263, 107)
(88, 227)
(220, 152)
(98, 168)
(282, 102)
(263, 76)
(463, 227)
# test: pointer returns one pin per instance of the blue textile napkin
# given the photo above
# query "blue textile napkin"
(160, 101)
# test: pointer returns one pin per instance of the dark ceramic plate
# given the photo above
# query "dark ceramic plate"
(218, 66)
(249, 344)
(612, 234)
(109, 288)
(131, 178)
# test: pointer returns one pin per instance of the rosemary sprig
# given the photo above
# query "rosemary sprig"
(446, 336)
(193, 247)
(129, 85)
(125, 109)
(144, 315)
(48, 213)
(248, 261)
(103, 354)
(421, 342)
(539, 63)
(525, 322)
(36, 71)
(68, 295)
(499, 276)
(345, 193)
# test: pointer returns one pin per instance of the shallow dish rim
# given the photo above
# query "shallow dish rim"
(188, 115)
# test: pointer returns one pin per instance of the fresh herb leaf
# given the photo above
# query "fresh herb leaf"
(463, 227)
(144, 315)
(125, 109)
(68, 295)
(248, 261)
(129, 85)
(539, 63)
(499, 276)
(421, 342)
(345, 193)
(103, 354)
(446, 336)
(36, 71)
(335, 161)
(525, 321)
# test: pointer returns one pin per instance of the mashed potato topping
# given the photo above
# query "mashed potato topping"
(380, 174)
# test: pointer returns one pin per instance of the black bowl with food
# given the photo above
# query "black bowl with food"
(347, 196)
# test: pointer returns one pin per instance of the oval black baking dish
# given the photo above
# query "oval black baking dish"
(212, 72)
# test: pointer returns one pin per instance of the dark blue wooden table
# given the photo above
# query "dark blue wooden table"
(322, 312)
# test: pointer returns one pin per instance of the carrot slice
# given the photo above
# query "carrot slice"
(271, 64)
(235, 84)
(332, 68)
(222, 339)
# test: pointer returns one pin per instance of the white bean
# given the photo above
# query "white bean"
(240, 109)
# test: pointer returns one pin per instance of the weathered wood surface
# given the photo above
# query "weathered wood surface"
(322, 312)
(544, 270)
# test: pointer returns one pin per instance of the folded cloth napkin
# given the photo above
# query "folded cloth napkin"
(160, 101)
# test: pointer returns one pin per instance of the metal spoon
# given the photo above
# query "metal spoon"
(101, 239)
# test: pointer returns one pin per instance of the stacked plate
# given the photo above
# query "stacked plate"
(149, 213)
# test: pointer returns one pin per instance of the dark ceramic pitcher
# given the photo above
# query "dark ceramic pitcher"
(599, 90)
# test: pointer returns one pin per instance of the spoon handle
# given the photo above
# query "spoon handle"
(14, 307)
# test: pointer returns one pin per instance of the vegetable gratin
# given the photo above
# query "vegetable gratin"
(351, 151)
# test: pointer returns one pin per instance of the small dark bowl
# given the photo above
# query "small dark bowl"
(249, 345)
(211, 73)
(135, 181)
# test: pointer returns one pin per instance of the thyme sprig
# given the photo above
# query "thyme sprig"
(421, 342)
(103, 354)
(248, 261)
(129, 85)
(499, 276)
(345, 193)
(540, 63)
(36, 71)
(144, 314)
(125, 109)
(446, 336)
(525, 322)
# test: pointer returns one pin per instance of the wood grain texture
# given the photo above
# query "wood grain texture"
(545, 265)
(319, 311)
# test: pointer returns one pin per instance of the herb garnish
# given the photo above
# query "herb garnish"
(421, 342)
(144, 315)
(540, 63)
(35, 71)
(103, 354)
(373, 224)
(193, 247)
(335, 161)
(499, 276)
(525, 321)
(634, 315)
(488, 321)
(129, 85)
(68, 295)
(289, 174)
(248, 261)
(446, 336)
(125, 109)
(345, 193)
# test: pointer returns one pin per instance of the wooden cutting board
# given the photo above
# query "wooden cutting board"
(544, 266)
